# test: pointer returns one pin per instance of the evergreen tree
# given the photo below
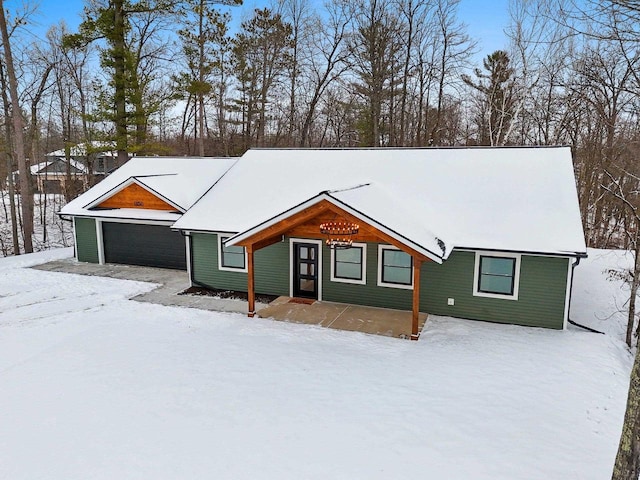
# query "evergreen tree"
(497, 98)
(111, 22)
(375, 48)
(262, 55)
(204, 45)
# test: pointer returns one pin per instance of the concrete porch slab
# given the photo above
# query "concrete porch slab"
(355, 318)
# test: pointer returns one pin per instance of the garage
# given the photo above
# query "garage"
(146, 245)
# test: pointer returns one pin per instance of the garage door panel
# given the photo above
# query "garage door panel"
(147, 245)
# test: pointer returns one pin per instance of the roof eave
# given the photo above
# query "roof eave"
(548, 253)
(239, 237)
(124, 184)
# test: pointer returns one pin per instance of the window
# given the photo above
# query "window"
(496, 275)
(348, 265)
(231, 257)
(395, 267)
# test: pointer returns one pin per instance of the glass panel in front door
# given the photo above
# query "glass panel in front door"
(305, 281)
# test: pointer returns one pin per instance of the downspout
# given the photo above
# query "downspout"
(593, 330)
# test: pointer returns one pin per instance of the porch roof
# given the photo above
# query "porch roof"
(390, 220)
(514, 198)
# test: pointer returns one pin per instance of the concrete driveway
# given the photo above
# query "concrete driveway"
(170, 284)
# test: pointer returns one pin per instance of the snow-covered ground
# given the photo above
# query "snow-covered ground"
(600, 302)
(49, 230)
(97, 386)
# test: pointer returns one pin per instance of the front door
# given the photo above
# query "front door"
(305, 270)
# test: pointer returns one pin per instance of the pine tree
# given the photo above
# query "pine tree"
(375, 48)
(262, 54)
(497, 97)
(204, 43)
(111, 22)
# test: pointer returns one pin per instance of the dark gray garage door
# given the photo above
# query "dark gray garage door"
(148, 245)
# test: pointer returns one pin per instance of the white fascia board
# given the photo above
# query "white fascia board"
(121, 186)
(325, 196)
(143, 220)
(529, 253)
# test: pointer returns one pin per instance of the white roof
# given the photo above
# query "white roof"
(38, 167)
(80, 150)
(519, 199)
(181, 181)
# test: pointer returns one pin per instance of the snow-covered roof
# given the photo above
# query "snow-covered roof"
(519, 199)
(182, 181)
(81, 149)
(39, 168)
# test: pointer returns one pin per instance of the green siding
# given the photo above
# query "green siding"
(541, 297)
(271, 267)
(369, 294)
(86, 240)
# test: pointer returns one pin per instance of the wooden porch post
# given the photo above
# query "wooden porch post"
(250, 282)
(417, 263)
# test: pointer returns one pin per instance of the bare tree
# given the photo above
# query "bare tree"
(327, 61)
(18, 136)
(627, 464)
(8, 135)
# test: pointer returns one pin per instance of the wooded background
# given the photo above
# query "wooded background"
(169, 78)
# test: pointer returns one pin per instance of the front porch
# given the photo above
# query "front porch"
(304, 225)
(341, 316)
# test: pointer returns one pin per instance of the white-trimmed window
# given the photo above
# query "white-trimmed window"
(349, 265)
(395, 267)
(232, 258)
(497, 275)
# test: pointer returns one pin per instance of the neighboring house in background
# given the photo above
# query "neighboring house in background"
(51, 176)
(103, 153)
(479, 233)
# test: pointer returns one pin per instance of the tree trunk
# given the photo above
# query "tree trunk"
(635, 283)
(201, 67)
(11, 183)
(119, 81)
(12, 198)
(18, 124)
(435, 131)
(627, 466)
